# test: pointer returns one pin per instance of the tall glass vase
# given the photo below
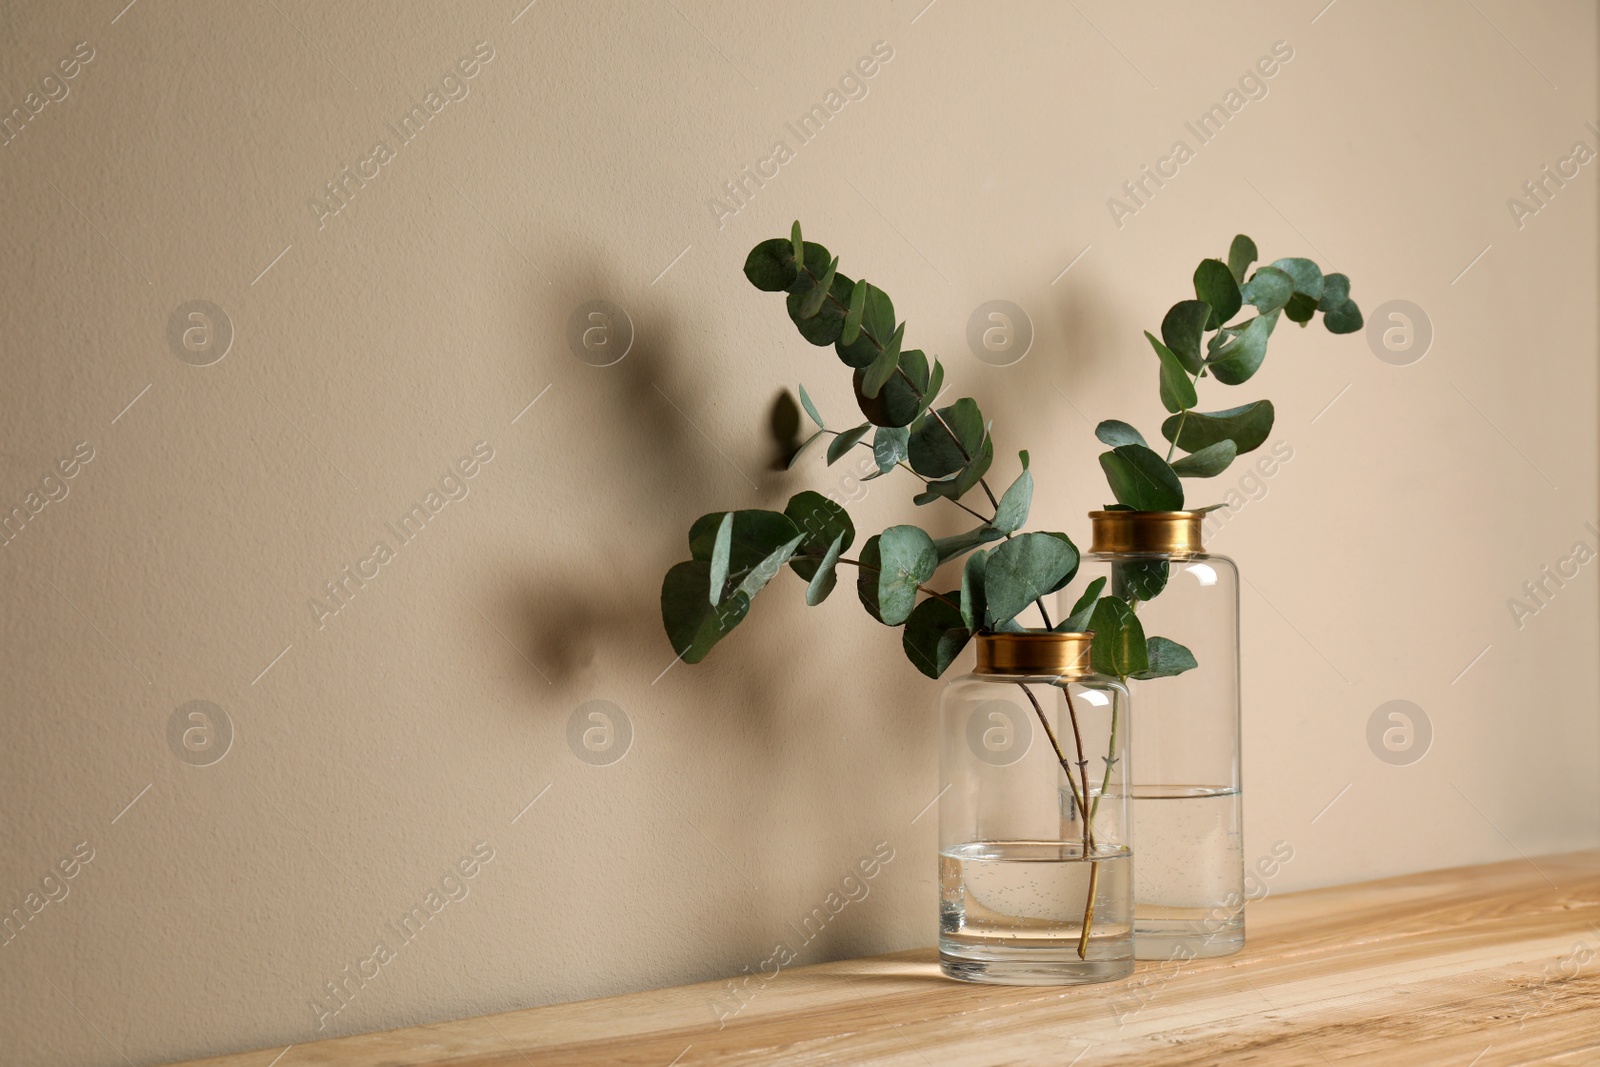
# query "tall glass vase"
(1184, 780)
(1034, 848)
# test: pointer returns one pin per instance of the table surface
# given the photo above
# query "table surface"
(1486, 966)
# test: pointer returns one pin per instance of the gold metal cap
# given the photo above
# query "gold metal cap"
(1035, 652)
(1166, 533)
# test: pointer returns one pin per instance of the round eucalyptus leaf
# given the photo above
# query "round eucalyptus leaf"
(934, 635)
(770, 265)
(1214, 283)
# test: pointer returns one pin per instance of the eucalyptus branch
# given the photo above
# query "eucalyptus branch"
(831, 299)
(903, 465)
(1088, 831)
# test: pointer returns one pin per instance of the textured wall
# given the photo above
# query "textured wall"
(388, 341)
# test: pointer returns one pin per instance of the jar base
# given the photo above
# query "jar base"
(1176, 939)
(1039, 967)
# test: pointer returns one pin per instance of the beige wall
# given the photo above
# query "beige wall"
(374, 347)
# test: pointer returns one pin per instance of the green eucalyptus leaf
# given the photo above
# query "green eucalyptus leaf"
(950, 547)
(877, 323)
(1300, 308)
(813, 299)
(1114, 433)
(957, 485)
(1177, 390)
(1241, 254)
(1237, 351)
(1346, 318)
(934, 636)
(1119, 646)
(1023, 569)
(1012, 513)
(811, 408)
(973, 472)
(884, 366)
(1214, 283)
(867, 577)
(889, 447)
(692, 623)
(852, 318)
(1135, 580)
(1335, 291)
(1141, 479)
(1072, 572)
(821, 327)
(1078, 620)
(1165, 659)
(1183, 329)
(1247, 427)
(755, 535)
(902, 397)
(1268, 289)
(757, 577)
(797, 246)
(972, 576)
(826, 576)
(846, 441)
(770, 265)
(934, 453)
(907, 558)
(1209, 462)
(935, 383)
(1306, 274)
(819, 521)
(720, 550)
(795, 458)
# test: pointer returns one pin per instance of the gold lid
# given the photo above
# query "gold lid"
(1035, 652)
(1165, 533)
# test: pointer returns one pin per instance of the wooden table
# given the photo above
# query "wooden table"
(1483, 966)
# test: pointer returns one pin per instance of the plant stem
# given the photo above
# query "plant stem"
(1066, 768)
(1080, 798)
(1088, 831)
(1182, 418)
(1111, 758)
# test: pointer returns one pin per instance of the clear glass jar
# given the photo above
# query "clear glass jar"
(1189, 888)
(1031, 892)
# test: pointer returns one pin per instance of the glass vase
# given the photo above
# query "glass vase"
(1034, 846)
(1184, 782)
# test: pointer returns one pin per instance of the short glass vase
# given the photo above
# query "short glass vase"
(1035, 857)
